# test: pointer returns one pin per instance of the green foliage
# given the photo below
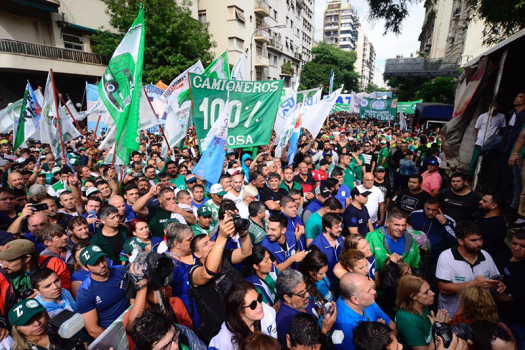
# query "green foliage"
(287, 68)
(407, 86)
(371, 87)
(173, 40)
(440, 89)
(326, 58)
(501, 18)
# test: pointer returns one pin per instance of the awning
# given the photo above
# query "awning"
(86, 29)
(41, 5)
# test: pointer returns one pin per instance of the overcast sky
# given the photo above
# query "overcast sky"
(387, 46)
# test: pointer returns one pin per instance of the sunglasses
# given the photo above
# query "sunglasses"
(253, 304)
(302, 294)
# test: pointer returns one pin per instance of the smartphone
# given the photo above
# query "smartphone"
(497, 277)
(92, 213)
(327, 307)
(39, 207)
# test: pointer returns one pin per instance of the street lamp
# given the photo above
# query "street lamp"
(251, 44)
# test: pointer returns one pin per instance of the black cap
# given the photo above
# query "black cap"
(324, 191)
(355, 191)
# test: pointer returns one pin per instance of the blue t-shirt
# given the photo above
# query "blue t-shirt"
(180, 288)
(396, 247)
(342, 194)
(332, 254)
(199, 205)
(108, 297)
(292, 223)
(278, 252)
(347, 320)
(354, 217)
(285, 316)
(323, 286)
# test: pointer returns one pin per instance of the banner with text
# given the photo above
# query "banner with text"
(384, 109)
(252, 108)
(408, 107)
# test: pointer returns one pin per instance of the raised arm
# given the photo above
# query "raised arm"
(140, 205)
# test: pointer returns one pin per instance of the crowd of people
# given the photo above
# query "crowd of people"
(362, 242)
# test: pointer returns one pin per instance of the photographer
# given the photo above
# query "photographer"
(214, 274)
(29, 319)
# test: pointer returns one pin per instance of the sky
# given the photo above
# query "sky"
(386, 46)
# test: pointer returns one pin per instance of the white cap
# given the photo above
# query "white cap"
(91, 190)
(216, 189)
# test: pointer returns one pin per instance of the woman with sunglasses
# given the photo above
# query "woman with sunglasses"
(244, 313)
(262, 273)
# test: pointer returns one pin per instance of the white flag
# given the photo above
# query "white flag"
(239, 70)
(147, 116)
(314, 116)
(48, 130)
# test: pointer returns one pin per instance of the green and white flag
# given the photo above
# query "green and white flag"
(382, 109)
(252, 107)
(8, 115)
(121, 87)
(48, 131)
(408, 107)
(23, 126)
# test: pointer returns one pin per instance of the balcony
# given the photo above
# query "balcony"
(261, 61)
(51, 52)
(298, 56)
(262, 36)
(287, 71)
(300, 4)
(276, 44)
(261, 8)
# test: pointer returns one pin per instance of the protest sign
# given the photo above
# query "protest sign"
(408, 107)
(384, 109)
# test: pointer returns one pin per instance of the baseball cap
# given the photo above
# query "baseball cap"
(204, 211)
(91, 190)
(5, 237)
(230, 151)
(75, 161)
(133, 243)
(190, 178)
(323, 190)
(23, 311)
(433, 161)
(355, 191)
(324, 162)
(55, 170)
(218, 190)
(17, 248)
(379, 168)
(91, 254)
(170, 221)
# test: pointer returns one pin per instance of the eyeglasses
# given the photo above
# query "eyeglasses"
(253, 304)
(301, 294)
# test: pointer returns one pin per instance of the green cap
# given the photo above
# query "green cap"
(133, 243)
(22, 312)
(175, 221)
(204, 211)
(74, 161)
(90, 255)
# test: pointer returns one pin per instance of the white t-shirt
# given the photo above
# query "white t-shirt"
(232, 197)
(496, 122)
(374, 199)
(452, 267)
(243, 210)
(223, 340)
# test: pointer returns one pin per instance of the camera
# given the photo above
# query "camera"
(443, 330)
(240, 223)
(63, 328)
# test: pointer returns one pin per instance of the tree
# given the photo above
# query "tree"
(501, 18)
(325, 58)
(407, 86)
(371, 87)
(173, 39)
(440, 89)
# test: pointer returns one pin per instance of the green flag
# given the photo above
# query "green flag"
(408, 107)
(23, 126)
(252, 108)
(121, 87)
(380, 109)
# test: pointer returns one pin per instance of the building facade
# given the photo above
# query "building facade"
(38, 35)
(444, 34)
(277, 52)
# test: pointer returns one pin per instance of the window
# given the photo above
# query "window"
(72, 39)
(202, 16)
(274, 14)
(287, 19)
(236, 44)
(291, 24)
(275, 61)
(235, 14)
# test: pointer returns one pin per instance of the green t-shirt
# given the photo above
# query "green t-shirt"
(295, 186)
(156, 219)
(414, 329)
(358, 169)
(314, 226)
(214, 212)
(383, 154)
(349, 178)
(179, 182)
(197, 230)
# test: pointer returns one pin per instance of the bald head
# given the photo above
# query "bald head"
(368, 180)
(119, 203)
(16, 180)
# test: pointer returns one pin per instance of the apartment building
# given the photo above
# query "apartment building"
(278, 51)
(38, 35)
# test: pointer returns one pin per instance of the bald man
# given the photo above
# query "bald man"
(376, 200)
(125, 212)
(15, 180)
(357, 304)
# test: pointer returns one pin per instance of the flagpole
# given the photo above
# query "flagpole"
(161, 129)
(96, 128)
(58, 116)
(70, 114)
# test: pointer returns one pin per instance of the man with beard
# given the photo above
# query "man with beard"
(382, 184)
(198, 196)
(144, 186)
(77, 231)
(412, 198)
(100, 298)
(459, 201)
(331, 243)
(68, 204)
(19, 260)
(493, 226)
(464, 265)
(272, 194)
(8, 213)
(15, 180)
(53, 215)
(235, 192)
(176, 179)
